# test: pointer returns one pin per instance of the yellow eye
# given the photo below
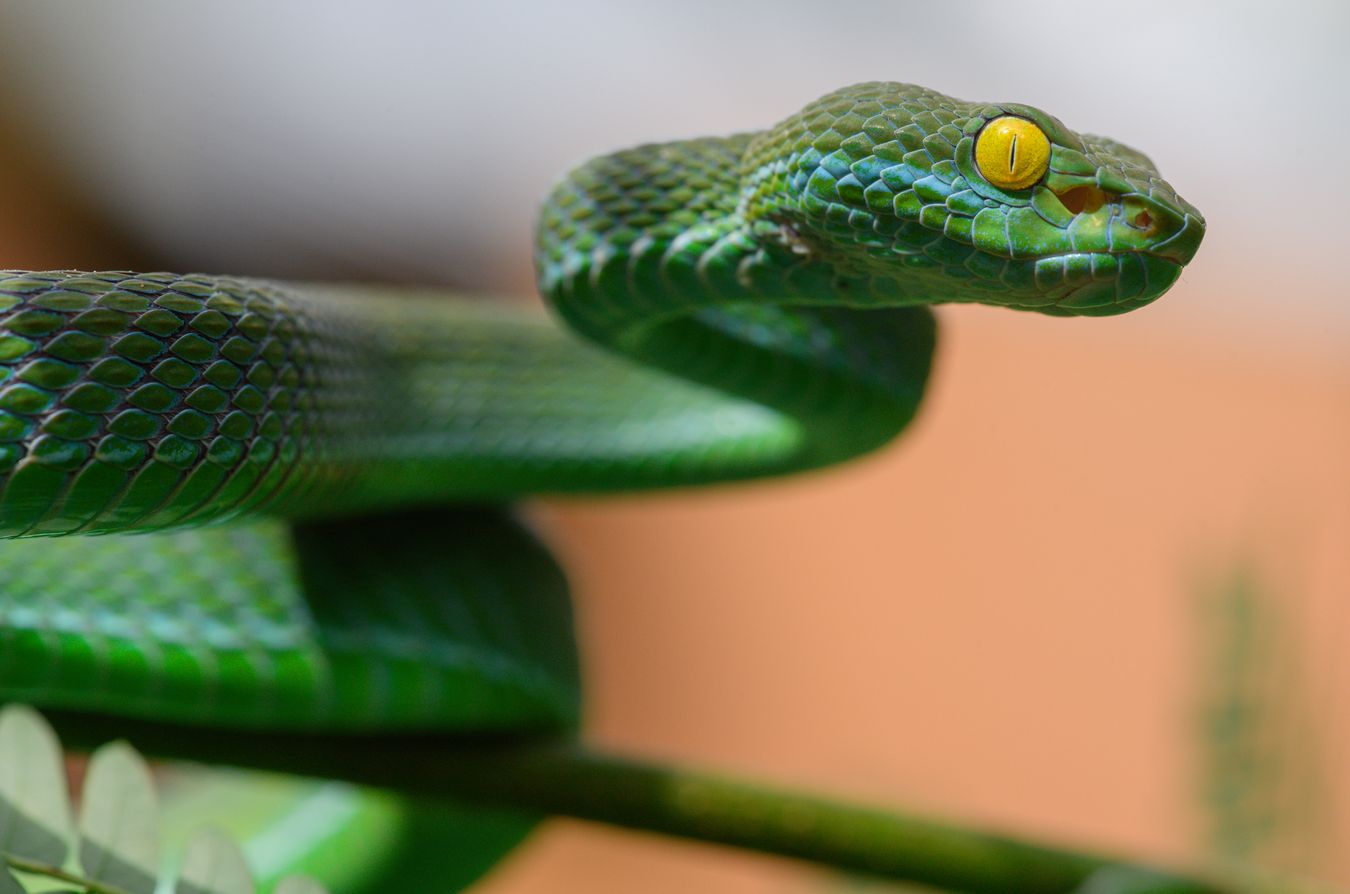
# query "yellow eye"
(1012, 153)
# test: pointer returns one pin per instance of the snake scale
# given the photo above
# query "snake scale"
(747, 306)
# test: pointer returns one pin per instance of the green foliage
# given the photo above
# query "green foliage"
(119, 837)
(1260, 768)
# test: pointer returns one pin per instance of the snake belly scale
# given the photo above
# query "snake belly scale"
(261, 458)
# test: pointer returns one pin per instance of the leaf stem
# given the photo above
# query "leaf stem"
(35, 867)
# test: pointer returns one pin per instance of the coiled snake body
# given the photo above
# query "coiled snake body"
(760, 303)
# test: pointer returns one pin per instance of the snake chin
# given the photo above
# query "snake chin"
(1101, 283)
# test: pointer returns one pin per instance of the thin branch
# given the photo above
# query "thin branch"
(560, 777)
(34, 867)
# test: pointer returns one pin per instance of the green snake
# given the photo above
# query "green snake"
(298, 485)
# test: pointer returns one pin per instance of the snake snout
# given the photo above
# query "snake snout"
(1166, 227)
(1178, 235)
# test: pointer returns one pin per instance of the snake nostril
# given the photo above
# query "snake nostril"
(1143, 220)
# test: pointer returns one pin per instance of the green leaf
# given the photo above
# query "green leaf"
(34, 803)
(9, 884)
(213, 864)
(299, 884)
(119, 825)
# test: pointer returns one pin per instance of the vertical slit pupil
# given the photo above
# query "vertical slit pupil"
(1012, 154)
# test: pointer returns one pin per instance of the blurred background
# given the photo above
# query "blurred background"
(1098, 593)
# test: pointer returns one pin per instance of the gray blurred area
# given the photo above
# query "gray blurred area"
(412, 141)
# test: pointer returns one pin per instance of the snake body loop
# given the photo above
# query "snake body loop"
(785, 272)
(748, 306)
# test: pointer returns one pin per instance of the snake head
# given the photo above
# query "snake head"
(909, 194)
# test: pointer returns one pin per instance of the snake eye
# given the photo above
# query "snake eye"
(1012, 153)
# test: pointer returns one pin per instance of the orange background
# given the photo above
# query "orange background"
(998, 619)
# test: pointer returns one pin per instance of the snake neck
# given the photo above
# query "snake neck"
(670, 255)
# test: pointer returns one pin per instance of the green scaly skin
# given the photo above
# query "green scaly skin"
(773, 289)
